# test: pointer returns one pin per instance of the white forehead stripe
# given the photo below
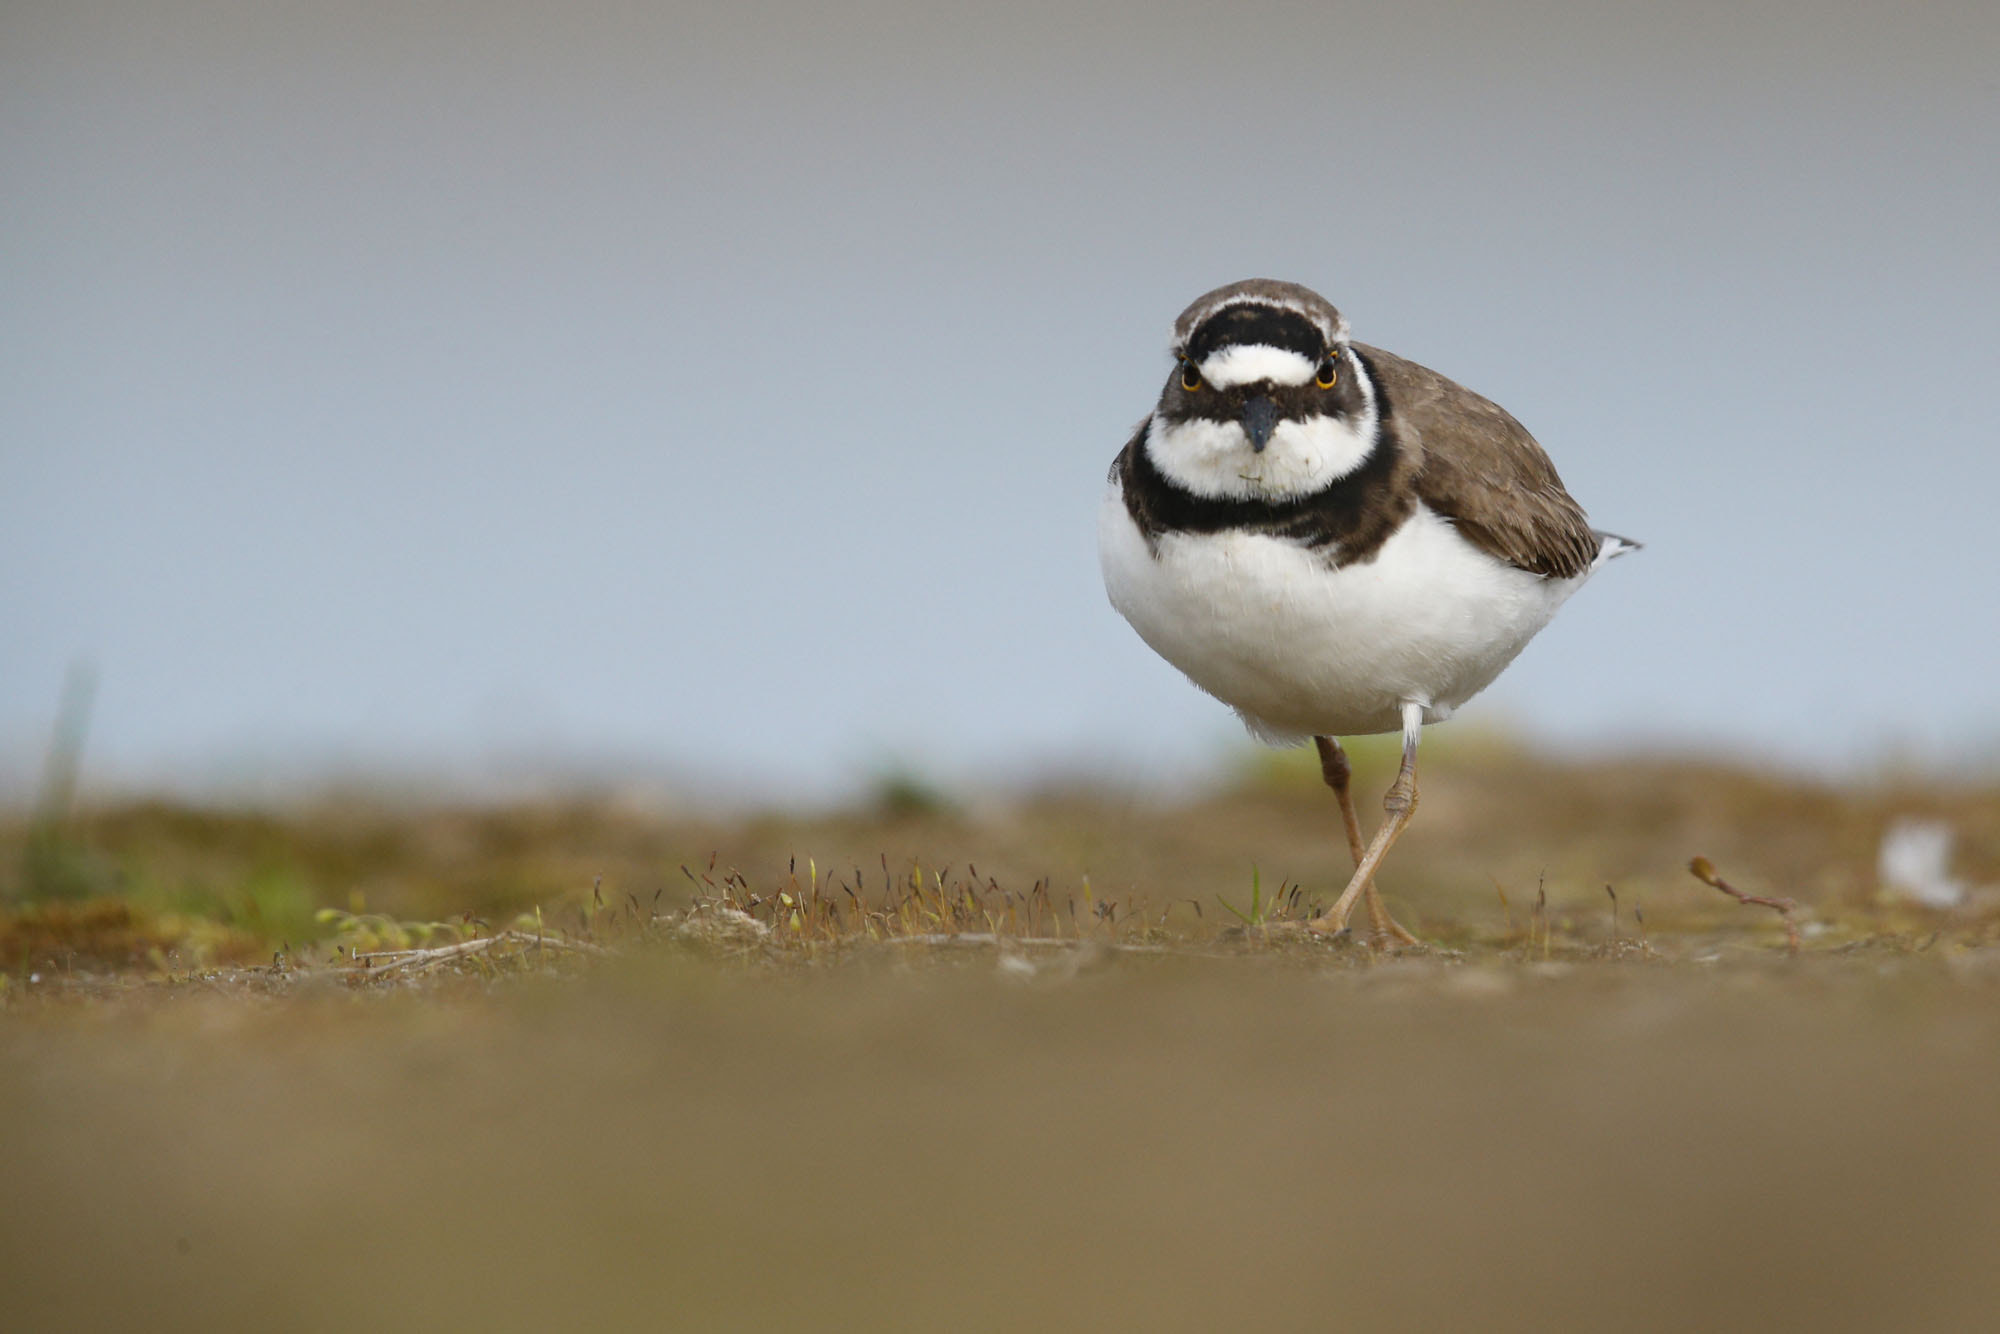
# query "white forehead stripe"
(1245, 363)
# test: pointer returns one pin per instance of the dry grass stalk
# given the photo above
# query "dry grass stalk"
(380, 963)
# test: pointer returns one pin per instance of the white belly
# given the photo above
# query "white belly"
(1299, 649)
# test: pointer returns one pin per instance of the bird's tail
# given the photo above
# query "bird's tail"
(1611, 547)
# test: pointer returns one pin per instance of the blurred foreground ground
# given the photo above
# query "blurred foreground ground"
(1559, 1119)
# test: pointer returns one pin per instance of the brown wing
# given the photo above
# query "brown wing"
(1481, 469)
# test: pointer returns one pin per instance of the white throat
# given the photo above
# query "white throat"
(1214, 459)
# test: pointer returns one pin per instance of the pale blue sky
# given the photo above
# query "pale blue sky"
(728, 392)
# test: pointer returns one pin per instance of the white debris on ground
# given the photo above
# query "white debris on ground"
(1016, 966)
(718, 926)
(1915, 862)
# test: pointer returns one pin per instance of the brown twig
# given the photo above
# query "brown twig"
(1704, 870)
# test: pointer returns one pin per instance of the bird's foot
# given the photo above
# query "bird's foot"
(1384, 935)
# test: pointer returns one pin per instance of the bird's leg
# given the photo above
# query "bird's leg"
(1398, 806)
(1333, 767)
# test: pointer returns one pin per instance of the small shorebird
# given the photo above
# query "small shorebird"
(1333, 540)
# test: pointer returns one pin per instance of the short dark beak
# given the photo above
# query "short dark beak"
(1260, 418)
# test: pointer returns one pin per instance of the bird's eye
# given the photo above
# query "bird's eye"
(1190, 376)
(1329, 371)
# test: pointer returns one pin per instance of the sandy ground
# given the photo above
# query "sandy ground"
(1255, 1142)
(1541, 1125)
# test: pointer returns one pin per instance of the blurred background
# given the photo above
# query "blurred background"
(720, 396)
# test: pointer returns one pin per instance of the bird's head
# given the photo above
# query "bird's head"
(1267, 400)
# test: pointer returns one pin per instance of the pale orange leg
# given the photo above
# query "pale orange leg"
(1398, 806)
(1333, 767)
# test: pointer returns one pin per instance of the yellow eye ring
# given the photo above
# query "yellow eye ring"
(1190, 376)
(1329, 372)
